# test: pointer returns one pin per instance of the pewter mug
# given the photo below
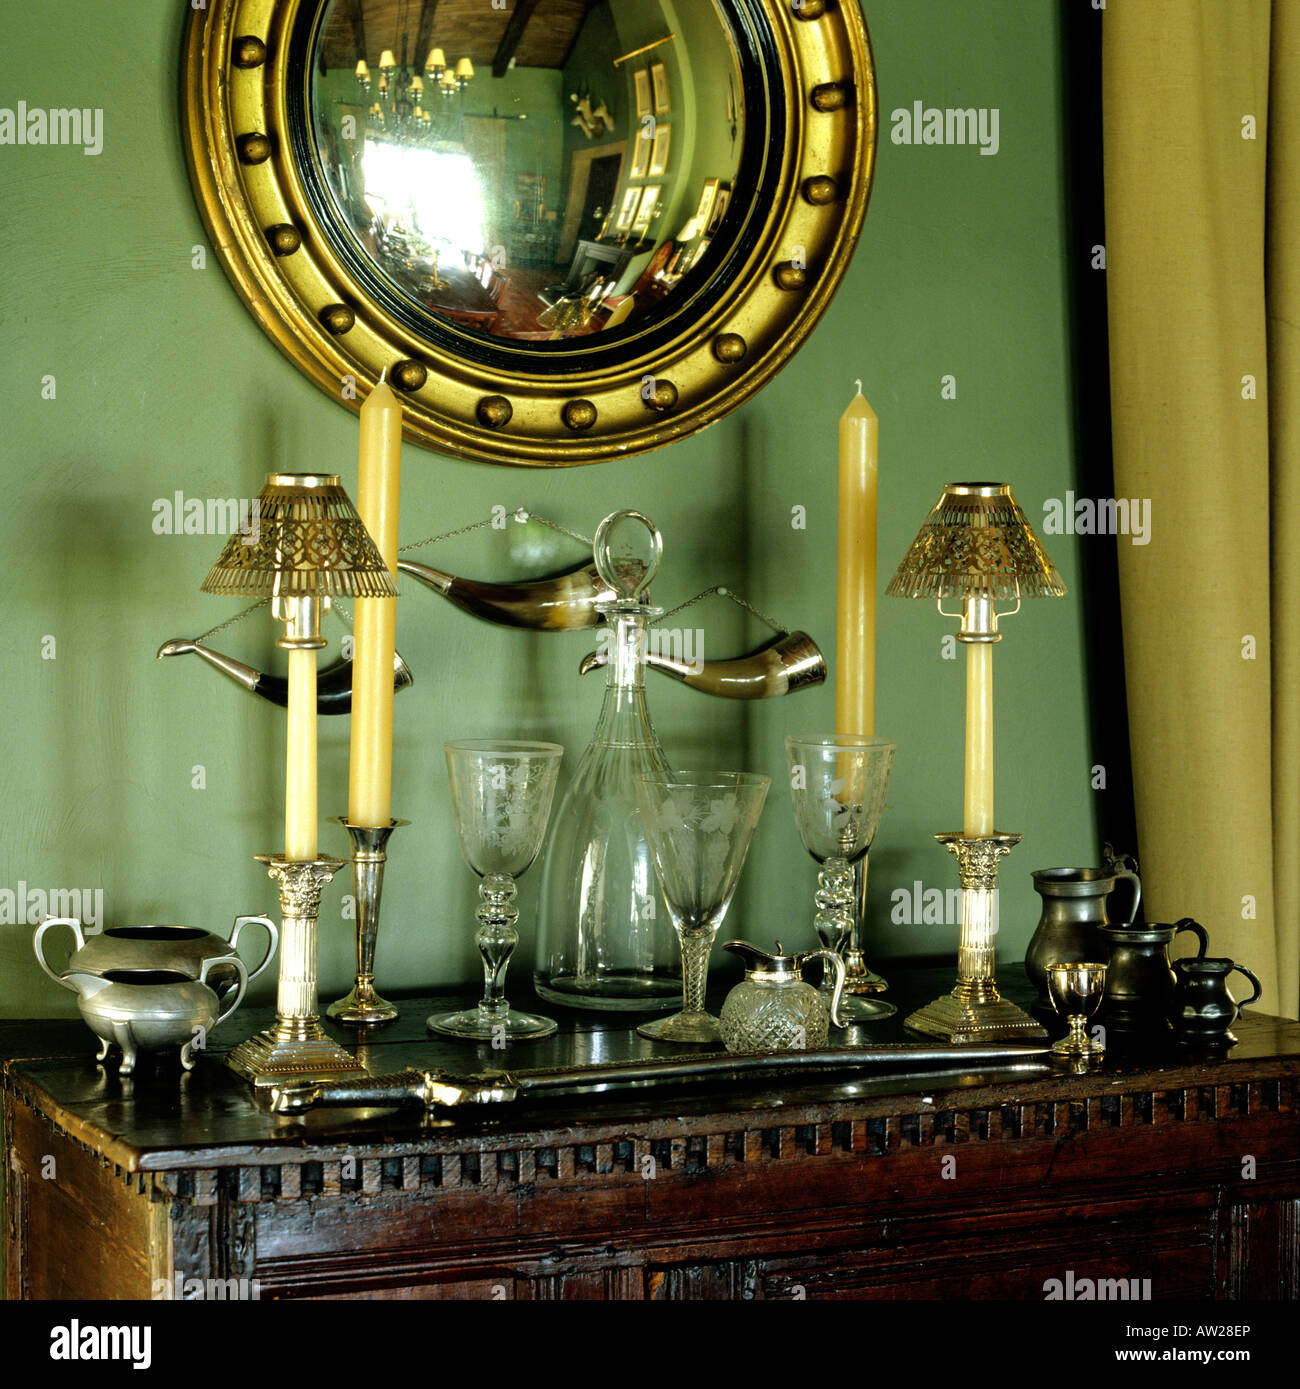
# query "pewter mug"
(1139, 978)
(1202, 1008)
(154, 1009)
(183, 950)
(1074, 911)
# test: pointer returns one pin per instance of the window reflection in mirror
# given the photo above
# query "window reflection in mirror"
(527, 173)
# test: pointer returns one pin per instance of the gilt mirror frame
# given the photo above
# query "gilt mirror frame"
(253, 179)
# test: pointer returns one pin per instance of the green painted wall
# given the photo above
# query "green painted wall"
(163, 382)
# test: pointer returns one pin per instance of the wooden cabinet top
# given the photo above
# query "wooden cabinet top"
(162, 1120)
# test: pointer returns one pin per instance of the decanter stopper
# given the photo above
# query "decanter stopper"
(628, 550)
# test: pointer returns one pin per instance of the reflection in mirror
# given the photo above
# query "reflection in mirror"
(548, 172)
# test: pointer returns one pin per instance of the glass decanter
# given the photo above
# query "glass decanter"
(605, 938)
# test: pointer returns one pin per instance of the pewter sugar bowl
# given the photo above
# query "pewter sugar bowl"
(773, 1008)
(183, 950)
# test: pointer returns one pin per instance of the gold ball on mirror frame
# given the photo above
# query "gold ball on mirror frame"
(730, 348)
(283, 239)
(337, 319)
(809, 9)
(247, 51)
(820, 191)
(253, 148)
(831, 96)
(494, 411)
(663, 398)
(790, 276)
(579, 415)
(408, 375)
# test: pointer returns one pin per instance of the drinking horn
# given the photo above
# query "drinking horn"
(785, 664)
(565, 603)
(333, 683)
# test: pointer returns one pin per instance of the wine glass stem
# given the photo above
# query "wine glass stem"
(695, 970)
(834, 920)
(497, 937)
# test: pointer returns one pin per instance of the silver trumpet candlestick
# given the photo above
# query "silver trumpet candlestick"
(295, 1047)
(975, 1011)
(369, 855)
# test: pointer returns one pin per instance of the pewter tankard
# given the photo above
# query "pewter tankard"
(1075, 902)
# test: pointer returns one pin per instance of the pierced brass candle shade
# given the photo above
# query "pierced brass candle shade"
(977, 545)
(309, 546)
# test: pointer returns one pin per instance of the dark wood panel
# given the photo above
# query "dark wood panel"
(79, 1233)
(471, 29)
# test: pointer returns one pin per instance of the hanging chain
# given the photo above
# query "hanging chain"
(724, 592)
(230, 622)
(521, 515)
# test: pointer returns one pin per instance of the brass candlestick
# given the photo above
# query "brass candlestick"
(295, 1047)
(975, 1011)
(369, 855)
(310, 547)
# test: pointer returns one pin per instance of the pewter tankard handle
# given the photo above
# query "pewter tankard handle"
(1125, 866)
(1259, 988)
(1195, 927)
(272, 930)
(70, 921)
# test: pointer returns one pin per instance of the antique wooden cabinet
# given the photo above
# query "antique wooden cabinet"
(1158, 1167)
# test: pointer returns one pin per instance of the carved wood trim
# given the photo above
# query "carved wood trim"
(696, 1146)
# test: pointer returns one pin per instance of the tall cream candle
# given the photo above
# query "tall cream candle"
(300, 807)
(855, 662)
(979, 740)
(370, 771)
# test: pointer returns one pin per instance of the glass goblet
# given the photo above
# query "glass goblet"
(838, 783)
(501, 793)
(698, 826)
(1076, 991)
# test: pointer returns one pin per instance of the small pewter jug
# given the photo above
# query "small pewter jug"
(772, 1008)
(154, 1009)
(1202, 1008)
(1139, 978)
(1074, 911)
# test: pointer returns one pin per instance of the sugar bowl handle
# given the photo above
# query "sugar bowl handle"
(1259, 988)
(837, 964)
(232, 998)
(75, 926)
(273, 931)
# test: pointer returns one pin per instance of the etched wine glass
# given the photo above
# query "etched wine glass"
(838, 783)
(699, 827)
(501, 793)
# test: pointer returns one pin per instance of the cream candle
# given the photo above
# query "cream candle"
(370, 768)
(300, 808)
(978, 821)
(855, 662)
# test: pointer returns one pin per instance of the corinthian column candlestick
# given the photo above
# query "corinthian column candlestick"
(975, 1011)
(295, 1047)
(369, 855)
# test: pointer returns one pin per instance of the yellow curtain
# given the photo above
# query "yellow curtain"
(1202, 176)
